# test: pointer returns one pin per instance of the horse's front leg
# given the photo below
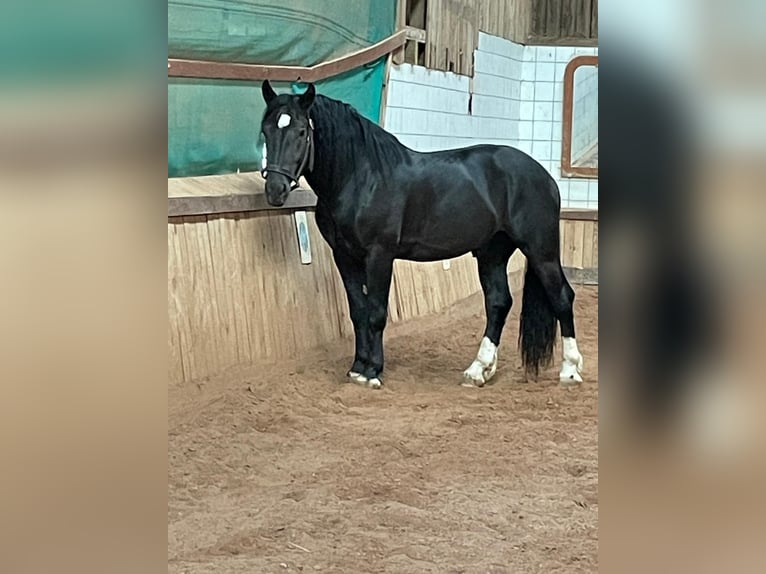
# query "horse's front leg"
(379, 269)
(354, 277)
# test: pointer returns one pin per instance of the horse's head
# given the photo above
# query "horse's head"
(289, 141)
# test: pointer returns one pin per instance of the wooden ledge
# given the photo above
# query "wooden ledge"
(237, 192)
(573, 214)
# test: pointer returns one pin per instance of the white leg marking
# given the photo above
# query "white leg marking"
(283, 121)
(484, 366)
(360, 379)
(374, 383)
(572, 365)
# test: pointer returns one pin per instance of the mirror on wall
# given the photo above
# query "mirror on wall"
(579, 148)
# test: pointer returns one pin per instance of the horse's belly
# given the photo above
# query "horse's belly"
(423, 254)
(435, 247)
(437, 234)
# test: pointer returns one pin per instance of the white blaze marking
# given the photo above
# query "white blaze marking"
(283, 121)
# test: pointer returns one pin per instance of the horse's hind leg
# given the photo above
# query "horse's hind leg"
(561, 297)
(493, 263)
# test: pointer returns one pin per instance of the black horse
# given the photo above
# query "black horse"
(379, 201)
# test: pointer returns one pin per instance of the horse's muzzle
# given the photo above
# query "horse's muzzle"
(277, 190)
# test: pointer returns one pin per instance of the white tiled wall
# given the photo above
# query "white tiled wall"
(515, 98)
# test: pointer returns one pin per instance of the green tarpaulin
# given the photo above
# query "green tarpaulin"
(213, 125)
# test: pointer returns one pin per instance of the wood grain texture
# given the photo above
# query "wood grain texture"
(452, 27)
(238, 293)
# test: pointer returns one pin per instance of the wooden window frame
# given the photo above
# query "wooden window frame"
(567, 169)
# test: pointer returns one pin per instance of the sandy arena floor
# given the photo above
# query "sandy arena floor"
(285, 469)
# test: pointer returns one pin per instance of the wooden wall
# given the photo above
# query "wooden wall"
(452, 26)
(561, 22)
(579, 243)
(238, 294)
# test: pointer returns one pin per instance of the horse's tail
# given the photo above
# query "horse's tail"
(537, 331)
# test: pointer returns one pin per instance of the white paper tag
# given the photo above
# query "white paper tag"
(304, 241)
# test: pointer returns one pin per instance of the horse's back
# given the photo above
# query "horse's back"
(502, 175)
(455, 201)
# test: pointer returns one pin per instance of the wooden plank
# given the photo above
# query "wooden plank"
(192, 310)
(566, 250)
(240, 203)
(594, 20)
(579, 214)
(434, 20)
(175, 354)
(234, 281)
(587, 244)
(577, 244)
(393, 300)
(401, 14)
(583, 19)
(207, 331)
(227, 294)
(562, 223)
(595, 246)
(472, 38)
(180, 68)
(245, 247)
(397, 56)
(553, 22)
(568, 23)
(181, 283)
(539, 18)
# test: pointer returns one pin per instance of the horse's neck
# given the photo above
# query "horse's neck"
(327, 174)
(332, 171)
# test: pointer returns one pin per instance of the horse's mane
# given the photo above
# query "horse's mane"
(354, 139)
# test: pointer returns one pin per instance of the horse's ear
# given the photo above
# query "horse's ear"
(268, 92)
(307, 97)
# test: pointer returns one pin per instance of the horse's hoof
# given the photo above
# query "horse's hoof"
(360, 379)
(570, 374)
(570, 380)
(474, 376)
(357, 378)
(472, 381)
